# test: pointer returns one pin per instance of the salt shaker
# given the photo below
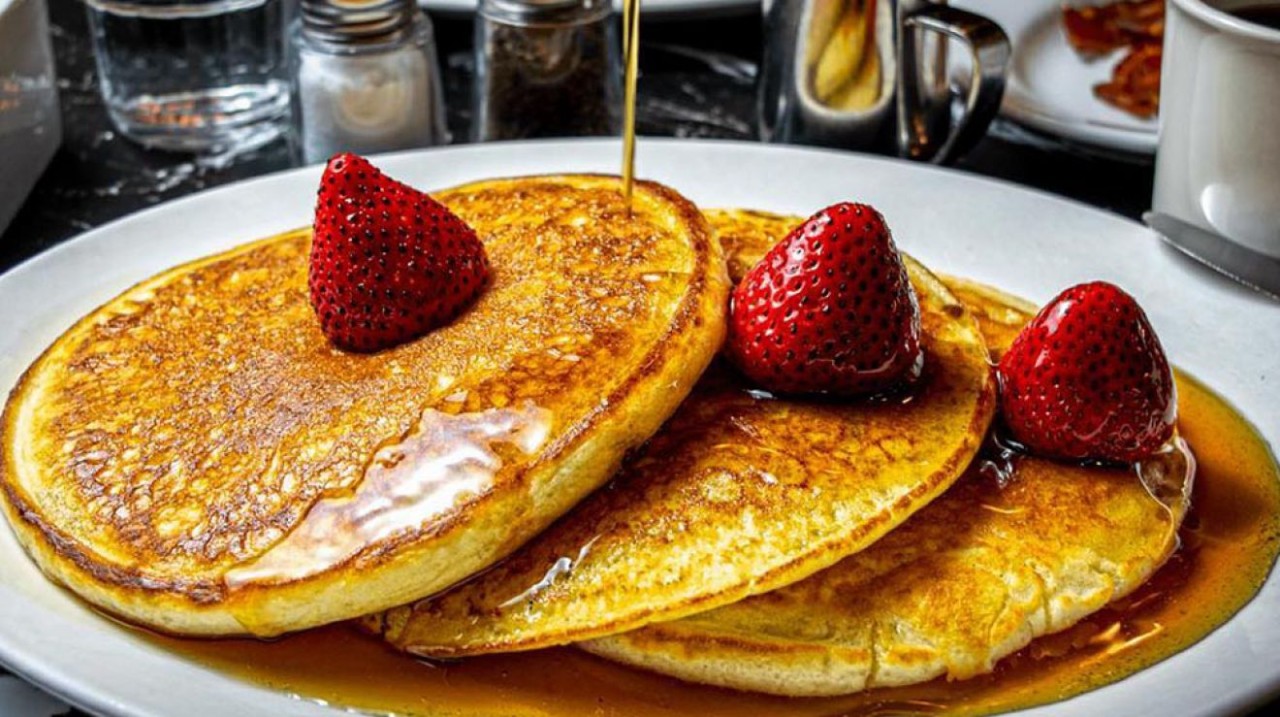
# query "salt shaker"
(546, 68)
(365, 79)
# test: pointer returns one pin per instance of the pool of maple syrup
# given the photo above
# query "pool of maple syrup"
(1229, 543)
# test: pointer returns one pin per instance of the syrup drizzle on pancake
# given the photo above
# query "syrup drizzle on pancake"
(447, 458)
(737, 495)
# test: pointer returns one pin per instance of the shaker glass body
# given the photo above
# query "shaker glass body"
(546, 68)
(368, 97)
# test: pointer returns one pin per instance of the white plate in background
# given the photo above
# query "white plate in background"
(1026, 242)
(1050, 86)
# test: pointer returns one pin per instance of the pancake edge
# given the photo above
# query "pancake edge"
(797, 568)
(583, 459)
(793, 668)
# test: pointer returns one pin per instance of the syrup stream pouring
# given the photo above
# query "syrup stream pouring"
(631, 58)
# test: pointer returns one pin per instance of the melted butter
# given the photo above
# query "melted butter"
(1229, 543)
(561, 567)
(1169, 475)
(445, 461)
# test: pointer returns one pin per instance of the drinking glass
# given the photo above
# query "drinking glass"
(193, 75)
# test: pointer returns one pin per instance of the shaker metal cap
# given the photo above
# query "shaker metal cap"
(545, 12)
(355, 20)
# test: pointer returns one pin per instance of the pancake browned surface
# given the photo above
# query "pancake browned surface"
(966, 581)
(740, 493)
(196, 457)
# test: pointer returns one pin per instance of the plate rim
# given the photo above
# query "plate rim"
(648, 141)
(93, 697)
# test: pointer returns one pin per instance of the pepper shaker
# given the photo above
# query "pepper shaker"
(365, 79)
(546, 68)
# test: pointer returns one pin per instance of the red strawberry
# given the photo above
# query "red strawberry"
(388, 263)
(828, 310)
(1087, 379)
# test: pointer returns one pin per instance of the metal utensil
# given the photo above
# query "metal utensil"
(872, 75)
(1253, 269)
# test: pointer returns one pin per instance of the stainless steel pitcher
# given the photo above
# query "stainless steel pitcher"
(872, 75)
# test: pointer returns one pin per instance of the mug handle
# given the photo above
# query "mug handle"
(989, 51)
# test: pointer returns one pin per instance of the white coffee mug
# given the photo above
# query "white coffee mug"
(1218, 162)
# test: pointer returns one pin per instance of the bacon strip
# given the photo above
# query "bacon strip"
(1137, 24)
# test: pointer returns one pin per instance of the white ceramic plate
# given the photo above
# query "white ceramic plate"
(1050, 87)
(1029, 243)
(648, 8)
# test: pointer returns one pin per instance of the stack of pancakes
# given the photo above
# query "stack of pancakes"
(567, 462)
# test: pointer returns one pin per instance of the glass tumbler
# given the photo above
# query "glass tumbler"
(193, 75)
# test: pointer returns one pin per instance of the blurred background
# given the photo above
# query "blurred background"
(699, 63)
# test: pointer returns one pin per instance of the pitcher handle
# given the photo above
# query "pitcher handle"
(989, 50)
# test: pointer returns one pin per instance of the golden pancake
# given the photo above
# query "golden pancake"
(194, 456)
(740, 493)
(979, 573)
